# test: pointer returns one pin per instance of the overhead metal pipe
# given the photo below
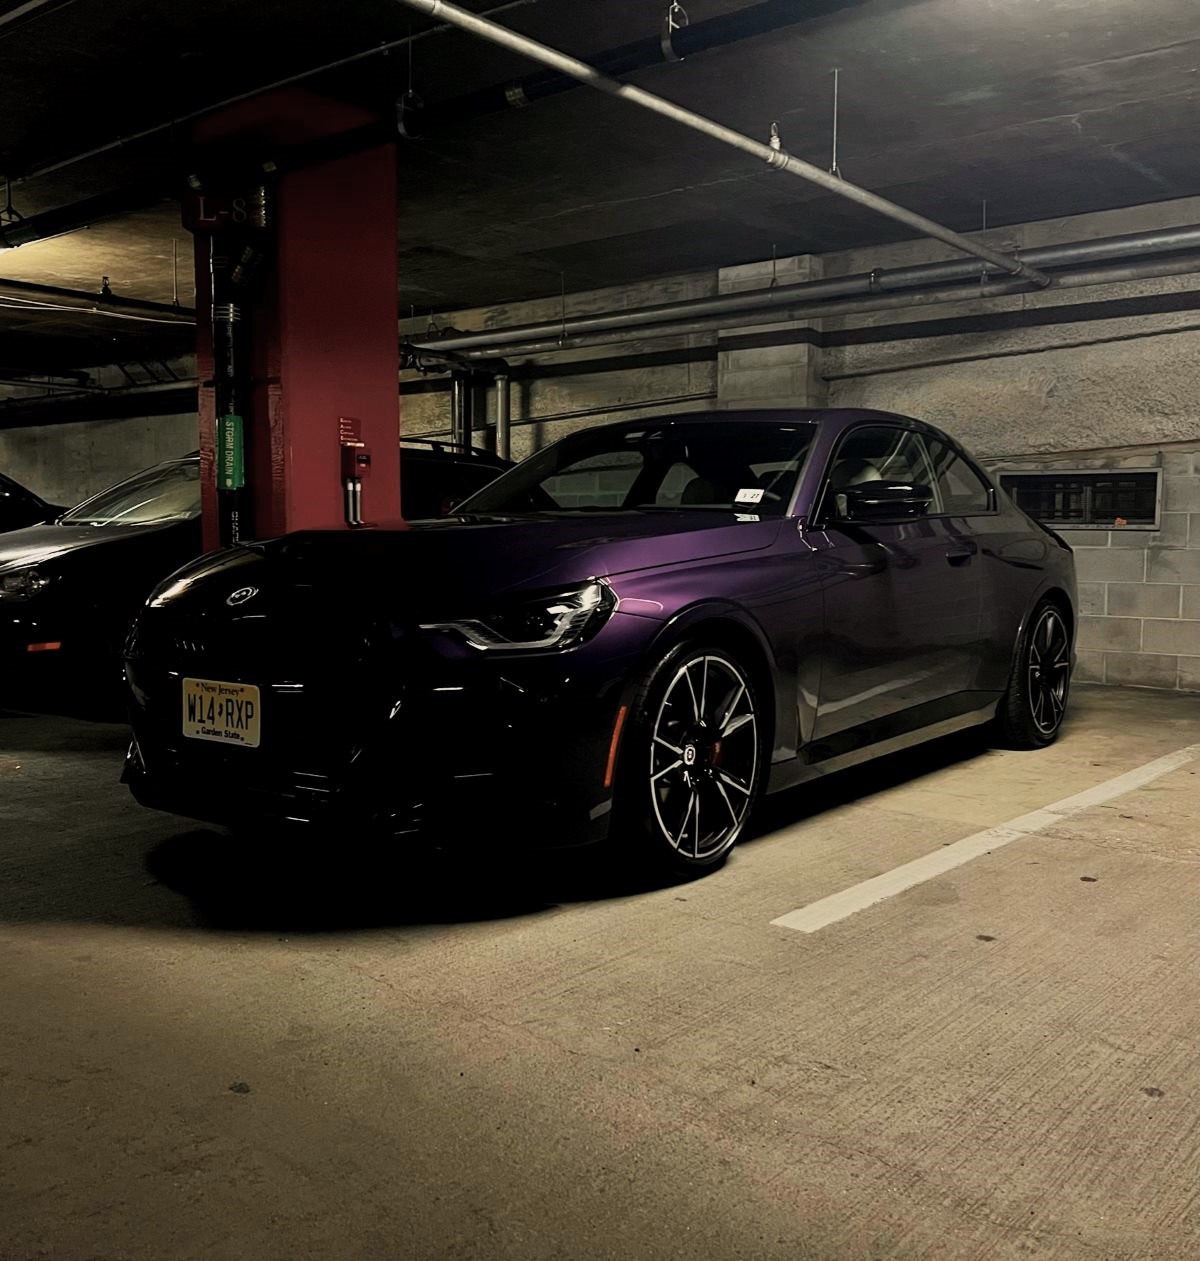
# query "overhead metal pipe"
(688, 41)
(776, 158)
(30, 9)
(34, 298)
(672, 45)
(730, 305)
(122, 142)
(1145, 269)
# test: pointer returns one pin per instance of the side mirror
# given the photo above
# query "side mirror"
(879, 501)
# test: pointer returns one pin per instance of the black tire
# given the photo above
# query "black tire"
(1031, 713)
(692, 763)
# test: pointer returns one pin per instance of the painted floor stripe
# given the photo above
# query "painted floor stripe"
(817, 915)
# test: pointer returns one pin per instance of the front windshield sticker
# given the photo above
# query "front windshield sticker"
(749, 495)
(746, 516)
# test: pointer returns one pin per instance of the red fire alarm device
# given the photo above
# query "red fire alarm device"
(356, 465)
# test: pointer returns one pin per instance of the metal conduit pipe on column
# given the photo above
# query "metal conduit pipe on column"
(1103, 249)
(460, 395)
(503, 418)
(777, 159)
(1145, 269)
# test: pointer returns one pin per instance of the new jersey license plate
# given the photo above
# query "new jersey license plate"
(227, 713)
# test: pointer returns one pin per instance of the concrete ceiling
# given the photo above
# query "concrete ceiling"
(1041, 107)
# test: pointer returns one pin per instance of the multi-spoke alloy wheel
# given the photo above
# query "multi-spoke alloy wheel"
(1033, 707)
(1049, 669)
(700, 753)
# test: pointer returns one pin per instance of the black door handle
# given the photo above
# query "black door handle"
(961, 553)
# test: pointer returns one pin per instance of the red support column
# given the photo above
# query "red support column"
(323, 322)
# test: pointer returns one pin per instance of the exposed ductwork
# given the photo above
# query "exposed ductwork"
(876, 290)
(1118, 273)
(773, 154)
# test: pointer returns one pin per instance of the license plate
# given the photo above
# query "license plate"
(227, 713)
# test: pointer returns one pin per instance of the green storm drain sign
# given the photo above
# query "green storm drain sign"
(231, 459)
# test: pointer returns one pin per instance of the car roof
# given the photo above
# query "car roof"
(836, 417)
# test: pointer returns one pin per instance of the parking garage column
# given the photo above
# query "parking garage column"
(316, 312)
(773, 365)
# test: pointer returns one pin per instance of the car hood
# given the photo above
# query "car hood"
(39, 544)
(446, 564)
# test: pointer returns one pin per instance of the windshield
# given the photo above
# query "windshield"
(167, 492)
(745, 466)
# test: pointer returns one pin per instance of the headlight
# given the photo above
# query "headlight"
(22, 584)
(560, 620)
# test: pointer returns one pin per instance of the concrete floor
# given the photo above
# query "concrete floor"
(206, 1053)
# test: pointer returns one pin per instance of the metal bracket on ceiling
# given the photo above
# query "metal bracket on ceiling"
(675, 20)
(834, 169)
(410, 105)
(9, 213)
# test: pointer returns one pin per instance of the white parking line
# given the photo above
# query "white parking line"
(817, 915)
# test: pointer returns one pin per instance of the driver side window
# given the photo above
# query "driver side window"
(877, 453)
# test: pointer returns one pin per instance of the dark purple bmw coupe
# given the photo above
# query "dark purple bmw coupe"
(634, 634)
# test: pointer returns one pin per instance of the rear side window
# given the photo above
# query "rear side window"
(881, 453)
(959, 487)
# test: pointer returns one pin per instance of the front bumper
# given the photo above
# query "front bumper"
(456, 748)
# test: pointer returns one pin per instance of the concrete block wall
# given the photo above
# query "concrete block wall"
(1139, 589)
(759, 376)
(68, 463)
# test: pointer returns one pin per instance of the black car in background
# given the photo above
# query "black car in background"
(69, 588)
(20, 507)
(437, 476)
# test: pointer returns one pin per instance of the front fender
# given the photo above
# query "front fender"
(734, 626)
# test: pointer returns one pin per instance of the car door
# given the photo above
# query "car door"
(901, 593)
(973, 518)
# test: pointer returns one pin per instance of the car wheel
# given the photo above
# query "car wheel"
(693, 764)
(1032, 710)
